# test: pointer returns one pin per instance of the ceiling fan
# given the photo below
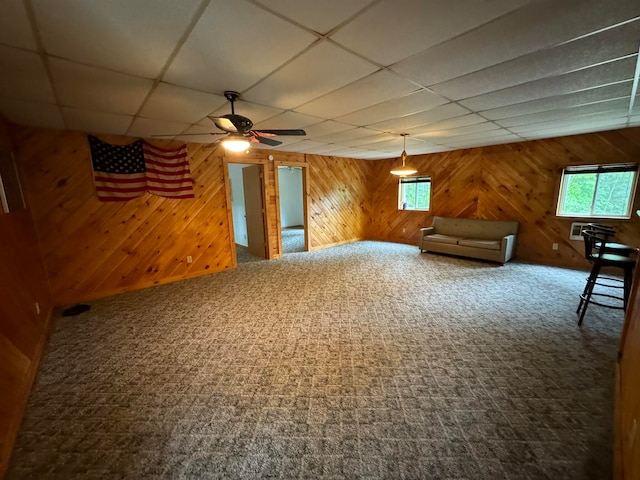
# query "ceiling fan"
(238, 129)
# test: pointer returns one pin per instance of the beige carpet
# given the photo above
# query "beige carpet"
(367, 360)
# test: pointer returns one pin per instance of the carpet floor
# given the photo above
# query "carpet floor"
(367, 360)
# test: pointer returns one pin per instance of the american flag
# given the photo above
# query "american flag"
(118, 170)
(122, 172)
(168, 173)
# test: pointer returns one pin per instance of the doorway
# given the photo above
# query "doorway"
(246, 189)
(291, 192)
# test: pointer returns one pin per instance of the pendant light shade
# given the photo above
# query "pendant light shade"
(405, 169)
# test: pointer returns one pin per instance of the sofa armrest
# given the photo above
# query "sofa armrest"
(427, 231)
(508, 246)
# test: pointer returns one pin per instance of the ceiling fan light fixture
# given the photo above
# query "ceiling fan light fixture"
(235, 144)
(404, 169)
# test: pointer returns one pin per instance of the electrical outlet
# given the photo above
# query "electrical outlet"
(189, 259)
(404, 230)
(37, 305)
(554, 246)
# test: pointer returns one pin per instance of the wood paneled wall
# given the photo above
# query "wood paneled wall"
(517, 181)
(23, 330)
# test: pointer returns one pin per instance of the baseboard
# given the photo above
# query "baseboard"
(335, 244)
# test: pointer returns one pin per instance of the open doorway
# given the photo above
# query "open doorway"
(248, 211)
(292, 207)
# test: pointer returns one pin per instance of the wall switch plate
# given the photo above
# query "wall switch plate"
(554, 246)
(37, 305)
(189, 259)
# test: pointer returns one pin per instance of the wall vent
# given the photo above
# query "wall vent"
(576, 230)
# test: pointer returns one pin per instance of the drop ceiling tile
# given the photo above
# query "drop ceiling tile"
(96, 122)
(23, 112)
(325, 128)
(368, 141)
(206, 139)
(347, 135)
(201, 134)
(15, 29)
(92, 88)
(147, 128)
(316, 72)
(129, 36)
(575, 130)
(397, 107)
(584, 52)
(376, 88)
(534, 27)
(23, 77)
(394, 144)
(482, 128)
(456, 122)
(600, 75)
(485, 143)
(478, 136)
(575, 120)
(256, 113)
(287, 120)
(609, 92)
(402, 124)
(301, 146)
(233, 45)
(563, 113)
(178, 104)
(320, 17)
(403, 28)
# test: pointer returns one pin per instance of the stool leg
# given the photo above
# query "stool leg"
(588, 290)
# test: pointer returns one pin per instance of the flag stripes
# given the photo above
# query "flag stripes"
(123, 172)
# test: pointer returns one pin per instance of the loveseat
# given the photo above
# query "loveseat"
(493, 240)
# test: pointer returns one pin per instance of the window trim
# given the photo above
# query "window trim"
(410, 180)
(597, 169)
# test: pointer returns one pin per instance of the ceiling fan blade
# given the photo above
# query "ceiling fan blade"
(296, 131)
(267, 141)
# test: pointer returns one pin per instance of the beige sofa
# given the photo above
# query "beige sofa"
(493, 240)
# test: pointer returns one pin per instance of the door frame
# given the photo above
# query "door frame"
(227, 190)
(305, 202)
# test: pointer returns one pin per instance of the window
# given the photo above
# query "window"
(598, 191)
(414, 193)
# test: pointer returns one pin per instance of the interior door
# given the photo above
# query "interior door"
(254, 210)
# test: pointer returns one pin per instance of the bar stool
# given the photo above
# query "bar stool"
(597, 252)
(612, 247)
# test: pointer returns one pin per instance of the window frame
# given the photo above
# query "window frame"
(597, 169)
(413, 180)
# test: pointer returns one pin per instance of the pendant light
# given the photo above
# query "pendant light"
(404, 170)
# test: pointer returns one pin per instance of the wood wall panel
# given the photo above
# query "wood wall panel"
(23, 331)
(517, 181)
(339, 200)
(93, 249)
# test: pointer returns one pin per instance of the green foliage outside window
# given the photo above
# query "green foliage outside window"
(414, 193)
(597, 193)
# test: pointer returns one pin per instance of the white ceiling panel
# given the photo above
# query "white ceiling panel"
(613, 116)
(92, 88)
(564, 113)
(479, 136)
(537, 26)
(316, 72)
(594, 95)
(178, 104)
(287, 120)
(234, 45)
(96, 122)
(347, 135)
(23, 76)
(321, 17)
(371, 142)
(15, 29)
(604, 74)
(398, 107)
(404, 123)
(456, 122)
(405, 27)
(325, 128)
(379, 87)
(36, 114)
(129, 36)
(486, 142)
(453, 132)
(302, 146)
(147, 127)
(575, 130)
(588, 51)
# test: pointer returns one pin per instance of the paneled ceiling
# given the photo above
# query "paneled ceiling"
(355, 74)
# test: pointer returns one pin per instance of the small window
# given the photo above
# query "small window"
(414, 193)
(597, 191)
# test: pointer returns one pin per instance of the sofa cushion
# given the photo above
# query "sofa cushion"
(474, 228)
(436, 237)
(486, 244)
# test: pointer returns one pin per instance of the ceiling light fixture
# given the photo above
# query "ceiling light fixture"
(235, 143)
(404, 170)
